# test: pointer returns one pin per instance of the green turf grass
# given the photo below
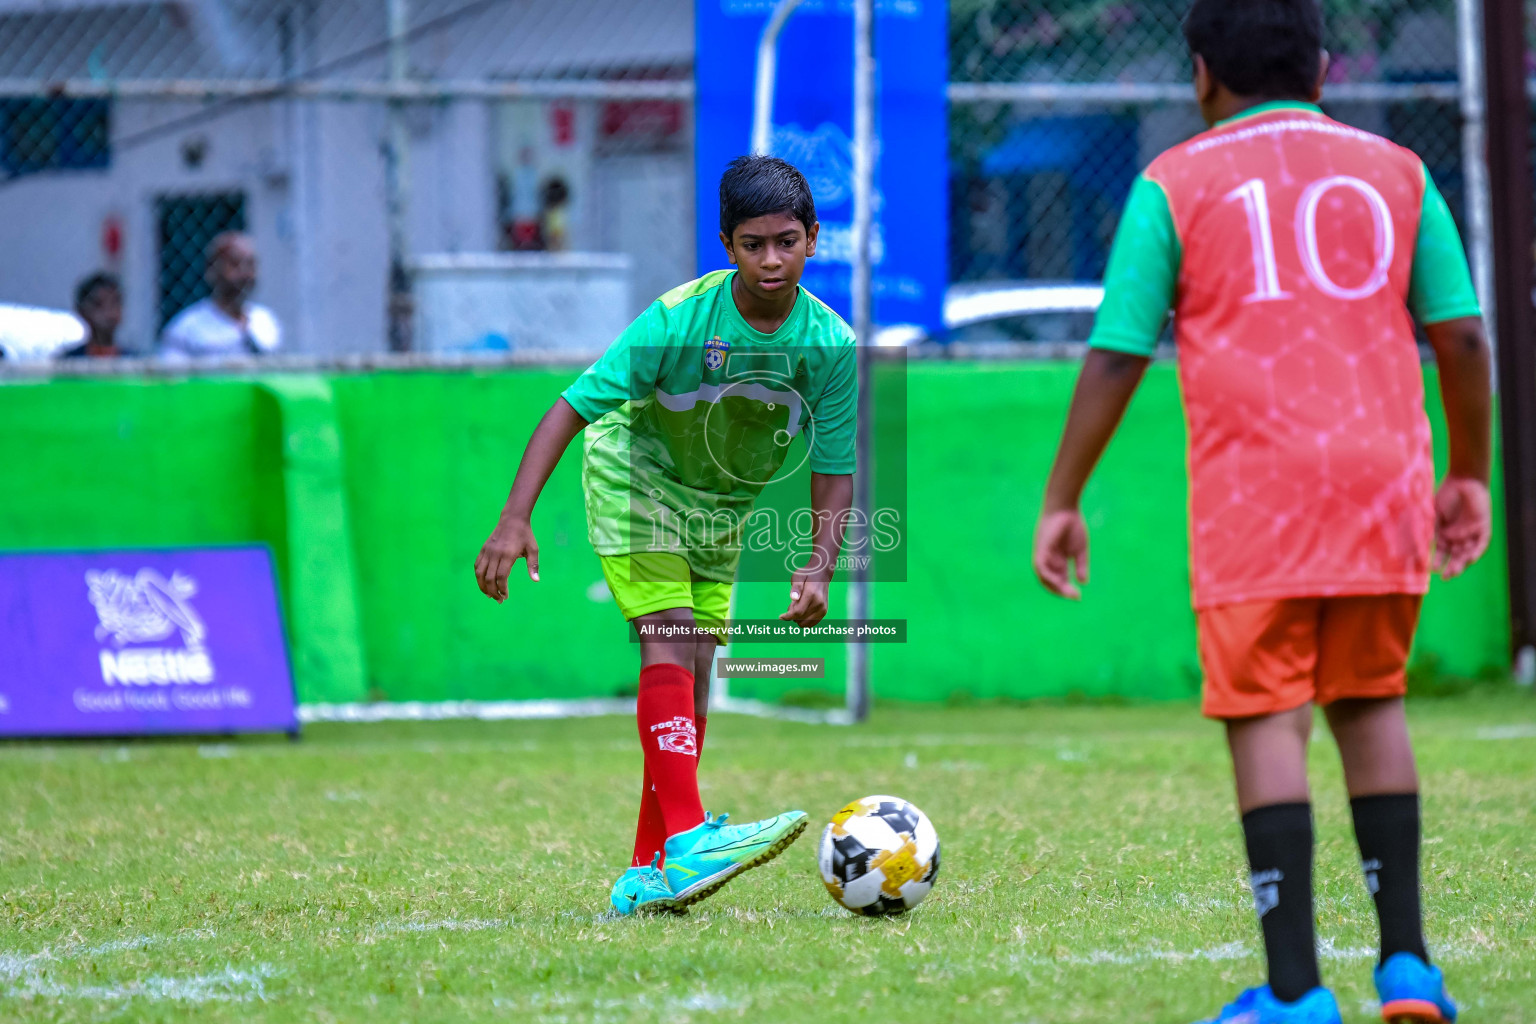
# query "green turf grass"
(459, 872)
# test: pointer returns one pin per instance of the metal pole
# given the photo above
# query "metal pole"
(397, 185)
(862, 287)
(1474, 154)
(1514, 222)
(767, 74)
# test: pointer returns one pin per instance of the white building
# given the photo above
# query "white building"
(307, 175)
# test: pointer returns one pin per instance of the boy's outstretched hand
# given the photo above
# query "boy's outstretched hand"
(512, 539)
(1061, 548)
(1463, 524)
(807, 599)
(1104, 389)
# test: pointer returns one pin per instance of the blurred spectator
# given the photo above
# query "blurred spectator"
(525, 203)
(99, 302)
(554, 215)
(226, 323)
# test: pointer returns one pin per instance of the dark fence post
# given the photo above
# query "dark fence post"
(1514, 225)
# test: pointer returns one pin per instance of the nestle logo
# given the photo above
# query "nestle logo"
(145, 666)
(145, 608)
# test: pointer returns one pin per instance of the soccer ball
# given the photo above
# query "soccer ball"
(879, 855)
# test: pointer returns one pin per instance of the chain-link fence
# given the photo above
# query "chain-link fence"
(1057, 104)
(355, 139)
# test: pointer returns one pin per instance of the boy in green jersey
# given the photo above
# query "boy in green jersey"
(688, 415)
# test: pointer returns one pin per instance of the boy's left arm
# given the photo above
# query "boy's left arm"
(831, 499)
(832, 462)
(1441, 297)
(1463, 509)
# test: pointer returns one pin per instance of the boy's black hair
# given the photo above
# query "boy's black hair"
(756, 185)
(100, 279)
(1267, 48)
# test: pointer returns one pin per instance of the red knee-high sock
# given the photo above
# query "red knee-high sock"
(669, 739)
(651, 829)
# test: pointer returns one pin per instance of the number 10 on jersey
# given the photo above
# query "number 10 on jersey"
(1266, 274)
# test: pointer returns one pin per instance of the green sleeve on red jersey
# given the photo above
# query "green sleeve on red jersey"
(1143, 274)
(1440, 286)
(629, 369)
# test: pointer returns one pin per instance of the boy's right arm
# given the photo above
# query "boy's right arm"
(628, 370)
(1104, 389)
(513, 537)
(1139, 287)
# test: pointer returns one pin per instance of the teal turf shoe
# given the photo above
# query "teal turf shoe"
(708, 855)
(642, 891)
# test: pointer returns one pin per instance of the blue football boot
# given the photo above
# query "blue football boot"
(1259, 1006)
(1413, 992)
(643, 891)
(704, 858)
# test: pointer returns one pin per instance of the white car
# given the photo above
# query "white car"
(33, 334)
(1007, 313)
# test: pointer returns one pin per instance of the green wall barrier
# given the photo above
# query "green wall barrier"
(376, 490)
(978, 623)
(325, 635)
(429, 460)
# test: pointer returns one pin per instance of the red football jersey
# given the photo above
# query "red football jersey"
(1309, 459)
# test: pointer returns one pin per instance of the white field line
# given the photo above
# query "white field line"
(232, 984)
(1326, 950)
(1230, 951)
(1525, 731)
(483, 710)
(17, 965)
(705, 1000)
(504, 710)
(1055, 741)
(543, 1004)
(450, 925)
(23, 978)
(373, 748)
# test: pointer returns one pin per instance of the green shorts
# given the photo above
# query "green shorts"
(652, 581)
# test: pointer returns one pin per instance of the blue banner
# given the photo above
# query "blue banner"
(813, 129)
(123, 642)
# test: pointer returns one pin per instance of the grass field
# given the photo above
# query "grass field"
(459, 872)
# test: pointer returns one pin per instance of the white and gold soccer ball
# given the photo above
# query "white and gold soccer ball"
(879, 855)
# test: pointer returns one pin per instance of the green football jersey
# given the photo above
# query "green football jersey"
(692, 411)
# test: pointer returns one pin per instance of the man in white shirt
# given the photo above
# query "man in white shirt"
(226, 323)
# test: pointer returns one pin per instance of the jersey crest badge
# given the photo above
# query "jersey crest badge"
(714, 352)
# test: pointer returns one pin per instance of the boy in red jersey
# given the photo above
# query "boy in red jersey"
(1294, 252)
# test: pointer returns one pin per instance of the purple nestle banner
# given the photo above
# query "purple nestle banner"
(122, 642)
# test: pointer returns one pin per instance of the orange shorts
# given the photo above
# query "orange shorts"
(1263, 657)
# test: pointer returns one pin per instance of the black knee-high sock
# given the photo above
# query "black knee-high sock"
(1280, 855)
(1387, 829)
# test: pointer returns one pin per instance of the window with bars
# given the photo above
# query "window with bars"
(54, 133)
